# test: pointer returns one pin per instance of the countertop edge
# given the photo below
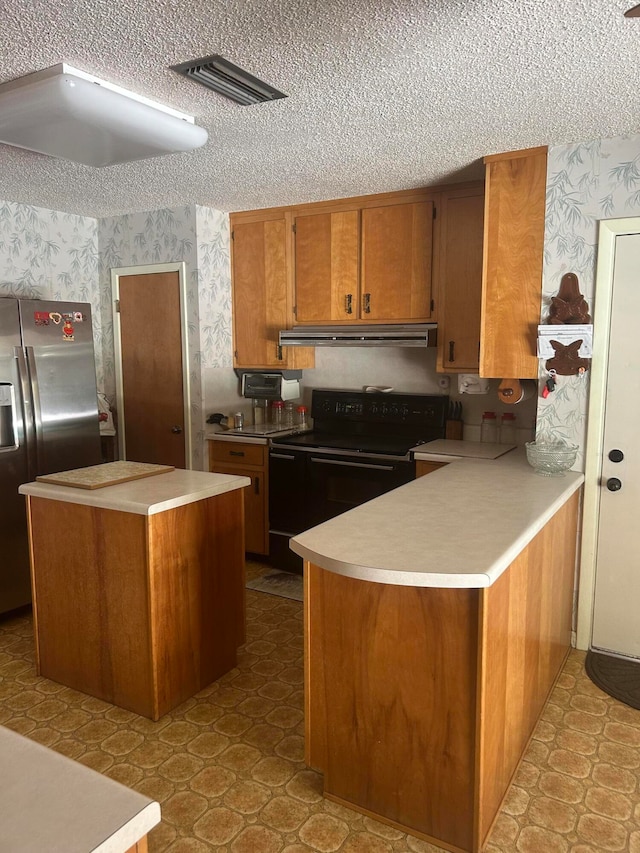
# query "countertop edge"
(144, 496)
(130, 833)
(526, 523)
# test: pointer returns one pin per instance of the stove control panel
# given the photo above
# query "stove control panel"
(367, 408)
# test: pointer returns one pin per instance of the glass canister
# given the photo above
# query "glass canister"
(277, 414)
(508, 428)
(489, 427)
(289, 415)
(303, 421)
(257, 410)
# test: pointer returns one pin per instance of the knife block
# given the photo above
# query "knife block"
(453, 430)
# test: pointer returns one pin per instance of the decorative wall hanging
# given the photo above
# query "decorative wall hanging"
(569, 306)
(567, 350)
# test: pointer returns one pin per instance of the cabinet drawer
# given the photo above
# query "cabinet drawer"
(238, 453)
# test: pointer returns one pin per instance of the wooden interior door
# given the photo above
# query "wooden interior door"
(153, 425)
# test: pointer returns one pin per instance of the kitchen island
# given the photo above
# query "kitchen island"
(138, 588)
(51, 803)
(437, 618)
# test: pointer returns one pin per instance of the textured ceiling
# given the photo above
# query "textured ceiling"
(383, 94)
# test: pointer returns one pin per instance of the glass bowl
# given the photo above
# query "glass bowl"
(551, 459)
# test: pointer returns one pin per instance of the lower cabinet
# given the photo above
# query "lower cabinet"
(247, 460)
(423, 467)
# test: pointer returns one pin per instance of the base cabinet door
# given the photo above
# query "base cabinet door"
(247, 460)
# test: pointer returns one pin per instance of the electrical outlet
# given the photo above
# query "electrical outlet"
(444, 382)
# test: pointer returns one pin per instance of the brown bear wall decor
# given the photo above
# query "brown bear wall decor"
(566, 361)
(569, 307)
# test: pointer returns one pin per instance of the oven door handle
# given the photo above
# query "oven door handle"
(352, 464)
(281, 456)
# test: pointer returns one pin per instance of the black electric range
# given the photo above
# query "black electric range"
(357, 450)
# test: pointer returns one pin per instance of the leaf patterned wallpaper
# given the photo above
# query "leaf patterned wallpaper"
(586, 182)
(52, 255)
(45, 254)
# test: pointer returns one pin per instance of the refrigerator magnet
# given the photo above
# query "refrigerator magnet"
(68, 331)
(41, 318)
(55, 317)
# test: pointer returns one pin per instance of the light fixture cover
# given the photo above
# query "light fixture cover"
(66, 113)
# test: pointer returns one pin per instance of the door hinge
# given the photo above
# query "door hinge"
(279, 352)
(117, 306)
(295, 310)
(434, 211)
(433, 305)
(293, 228)
(235, 353)
(232, 233)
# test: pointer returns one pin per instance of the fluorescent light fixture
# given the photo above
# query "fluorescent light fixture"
(67, 113)
(217, 73)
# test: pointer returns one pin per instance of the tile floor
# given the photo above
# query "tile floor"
(227, 766)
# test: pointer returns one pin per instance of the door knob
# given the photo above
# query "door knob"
(616, 455)
(613, 484)
(176, 430)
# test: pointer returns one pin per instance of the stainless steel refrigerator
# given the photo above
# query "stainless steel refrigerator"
(48, 418)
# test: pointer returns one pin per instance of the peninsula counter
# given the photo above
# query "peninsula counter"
(437, 618)
(138, 588)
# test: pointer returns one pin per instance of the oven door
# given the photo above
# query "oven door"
(338, 483)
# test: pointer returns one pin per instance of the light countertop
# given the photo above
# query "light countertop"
(51, 803)
(460, 526)
(442, 449)
(147, 496)
(245, 436)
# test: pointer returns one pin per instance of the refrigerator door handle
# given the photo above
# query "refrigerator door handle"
(26, 413)
(35, 423)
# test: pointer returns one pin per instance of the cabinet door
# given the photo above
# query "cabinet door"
(462, 213)
(396, 262)
(261, 303)
(259, 291)
(326, 267)
(515, 189)
(255, 506)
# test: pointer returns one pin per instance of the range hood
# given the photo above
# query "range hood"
(410, 335)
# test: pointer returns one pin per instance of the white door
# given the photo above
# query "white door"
(616, 616)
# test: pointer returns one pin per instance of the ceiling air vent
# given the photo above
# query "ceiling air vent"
(217, 73)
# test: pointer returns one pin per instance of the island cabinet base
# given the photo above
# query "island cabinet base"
(142, 611)
(421, 701)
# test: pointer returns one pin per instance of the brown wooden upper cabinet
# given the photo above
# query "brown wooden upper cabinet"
(515, 190)
(262, 303)
(461, 214)
(368, 264)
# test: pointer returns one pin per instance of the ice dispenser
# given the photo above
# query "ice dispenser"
(7, 417)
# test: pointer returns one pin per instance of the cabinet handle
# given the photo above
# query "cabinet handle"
(236, 453)
(348, 304)
(256, 485)
(366, 303)
(452, 350)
